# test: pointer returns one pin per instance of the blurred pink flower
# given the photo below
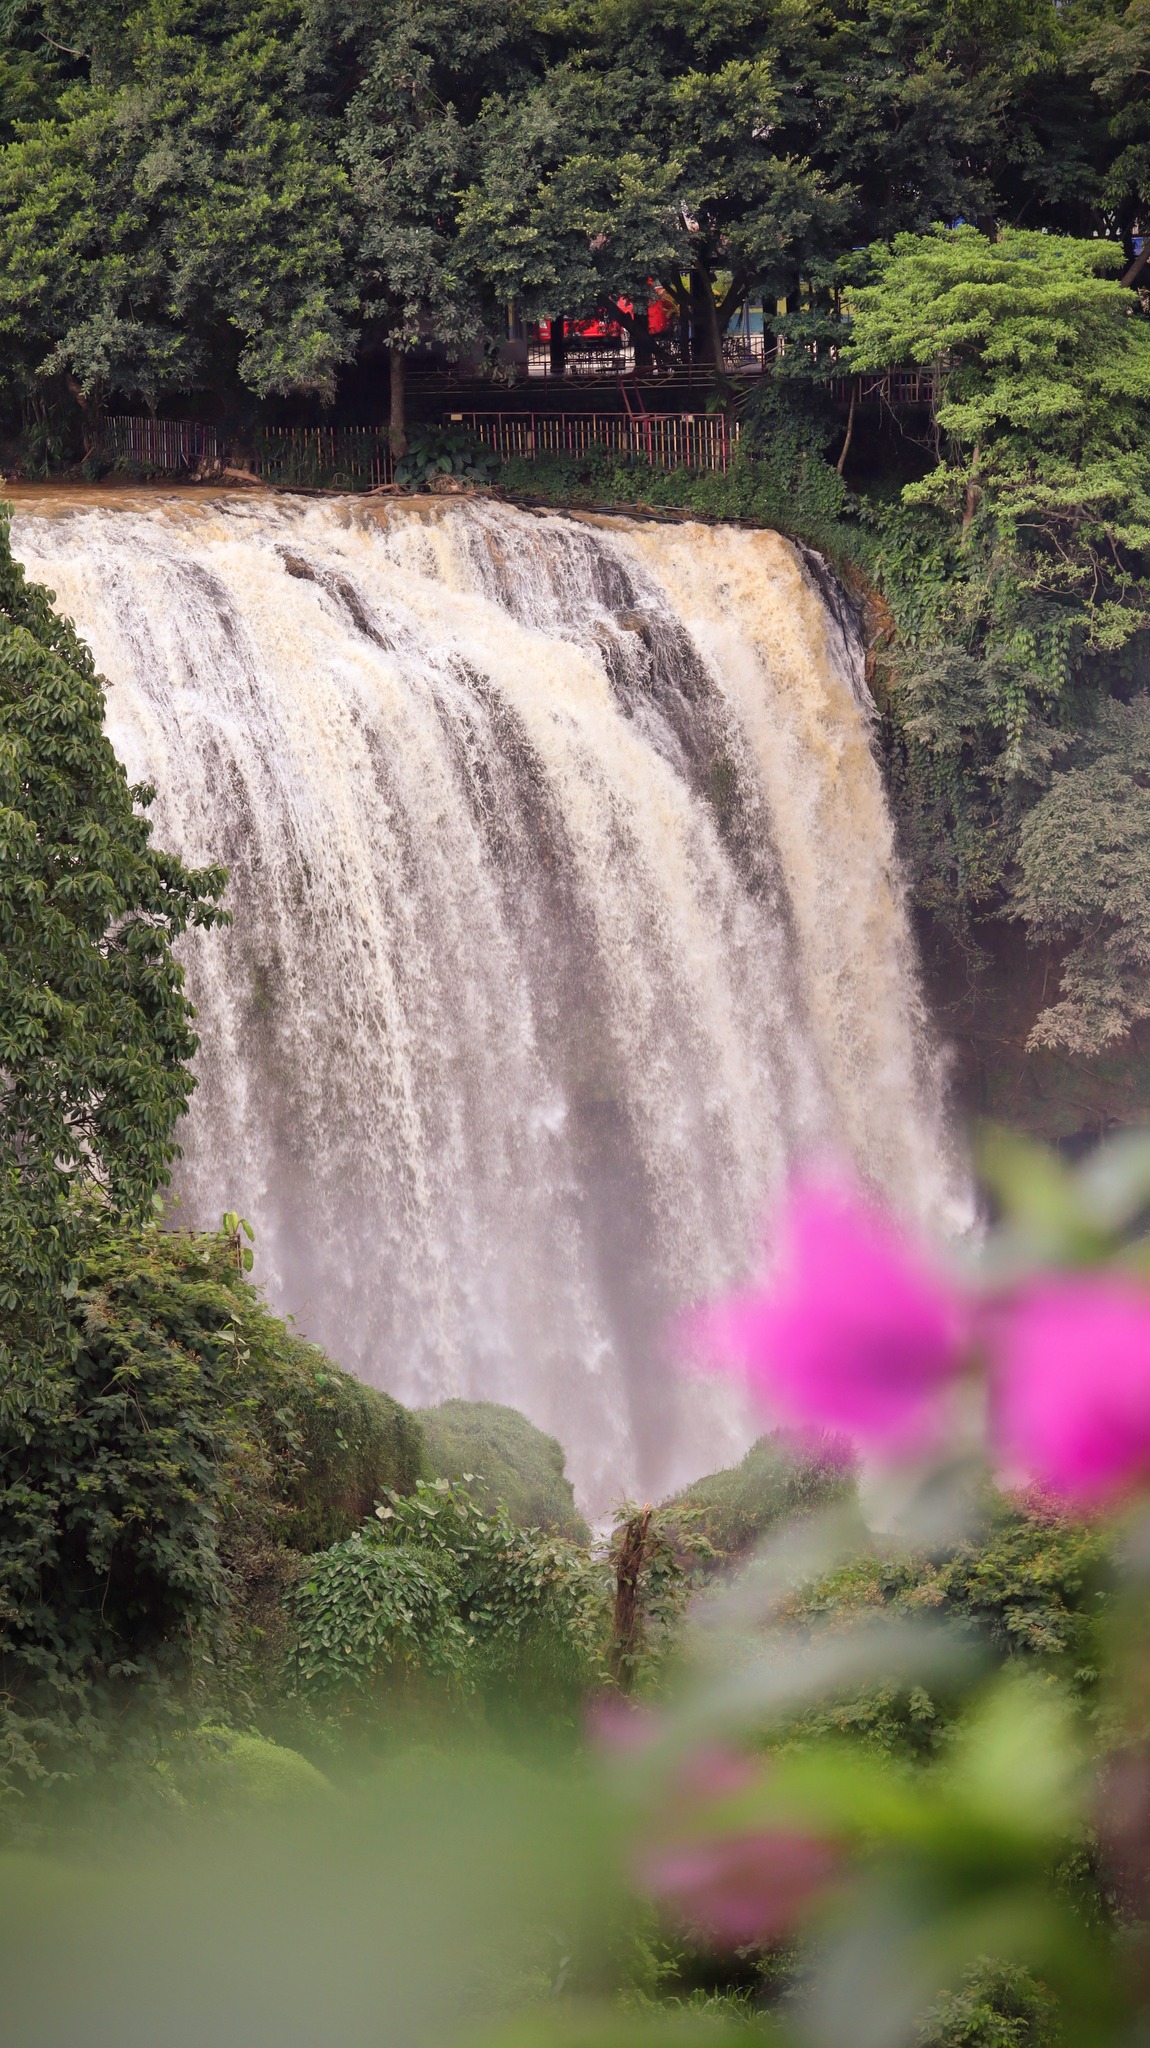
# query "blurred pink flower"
(621, 1727)
(1071, 1380)
(856, 1334)
(741, 1888)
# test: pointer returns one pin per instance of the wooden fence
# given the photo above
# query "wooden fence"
(682, 440)
(174, 446)
(358, 458)
(341, 458)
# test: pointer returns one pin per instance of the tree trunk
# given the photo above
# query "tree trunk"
(648, 351)
(628, 1627)
(841, 464)
(558, 345)
(973, 492)
(397, 421)
(714, 330)
(641, 336)
(704, 327)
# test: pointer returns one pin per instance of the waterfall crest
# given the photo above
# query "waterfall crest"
(566, 918)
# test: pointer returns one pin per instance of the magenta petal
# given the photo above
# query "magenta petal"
(742, 1888)
(1072, 1387)
(856, 1335)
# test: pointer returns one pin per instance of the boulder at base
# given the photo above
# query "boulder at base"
(508, 1460)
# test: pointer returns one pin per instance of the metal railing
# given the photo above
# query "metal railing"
(885, 387)
(358, 458)
(598, 356)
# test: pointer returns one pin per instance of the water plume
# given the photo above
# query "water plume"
(566, 918)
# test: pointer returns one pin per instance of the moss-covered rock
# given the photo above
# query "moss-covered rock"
(503, 1457)
(776, 1480)
(348, 1443)
(210, 1449)
(241, 1769)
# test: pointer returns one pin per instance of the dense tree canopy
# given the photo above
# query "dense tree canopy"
(227, 198)
(1043, 380)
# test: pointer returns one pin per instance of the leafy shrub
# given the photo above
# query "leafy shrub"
(368, 1611)
(440, 451)
(247, 1770)
(436, 1582)
(1032, 1586)
(535, 1603)
(347, 1443)
(508, 1461)
(111, 1580)
(998, 2006)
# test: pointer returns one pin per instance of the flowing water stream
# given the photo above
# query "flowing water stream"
(566, 918)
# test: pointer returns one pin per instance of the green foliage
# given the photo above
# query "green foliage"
(1043, 375)
(352, 1444)
(194, 1448)
(1084, 878)
(1014, 572)
(787, 428)
(176, 220)
(534, 1603)
(436, 1584)
(247, 1771)
(419, 72)
(776, 479)
(504, 1461)
(112, 1586)
(775, 1482)
(435, 452)
(1030, 1586)
(95, 1029)
(367, 1611)
(998, 2006)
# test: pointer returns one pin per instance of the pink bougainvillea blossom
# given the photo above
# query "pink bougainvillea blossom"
(742, 1888)
(1071, 1380)
(621, 1727)
(856, 1334)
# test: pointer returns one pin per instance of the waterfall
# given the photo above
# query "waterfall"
(566, 917)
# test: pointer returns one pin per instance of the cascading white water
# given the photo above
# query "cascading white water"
(566, 918)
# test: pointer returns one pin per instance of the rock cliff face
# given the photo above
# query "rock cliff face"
(985, 1008)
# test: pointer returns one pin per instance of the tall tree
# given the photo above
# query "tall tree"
(647, 151)
(414, 73)
(178, 222)
(1042, 379)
